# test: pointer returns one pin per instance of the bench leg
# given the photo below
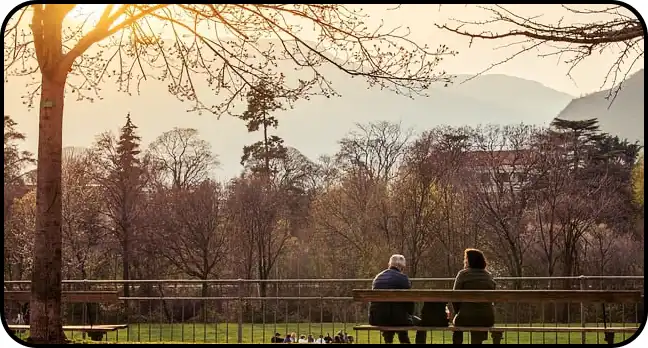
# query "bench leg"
(497, 337)
(609, 337)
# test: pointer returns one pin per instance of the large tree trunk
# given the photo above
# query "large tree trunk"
(45, 306)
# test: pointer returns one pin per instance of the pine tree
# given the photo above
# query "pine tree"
(259, 156)
(14, 159)
(128, 149)
(578, 138)
(127, 182)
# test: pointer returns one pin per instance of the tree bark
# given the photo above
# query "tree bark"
(45, 306)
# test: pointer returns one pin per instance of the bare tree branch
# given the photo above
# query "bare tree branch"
(605, 29)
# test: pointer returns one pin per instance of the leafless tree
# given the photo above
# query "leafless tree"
(446, 153)
(18, 239)
(132, 46)
(582, 31)
(353, 212)
(374, 149)
(550, 181)
(258, 216)
(296, 172)
(502, 163)
(86, 243)
(191, 232)
(415, 204)
(182, 158)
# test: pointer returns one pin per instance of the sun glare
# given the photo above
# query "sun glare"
(93, 11)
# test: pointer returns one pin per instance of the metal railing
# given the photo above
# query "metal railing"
(252, 311)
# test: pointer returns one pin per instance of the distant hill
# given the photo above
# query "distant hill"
(624, 117)
(314, 126)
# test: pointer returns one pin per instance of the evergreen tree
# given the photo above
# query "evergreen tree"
(123, 186)
(127, 175)
(14, 159)
(599, 158)
(579, 139)
(261, 158)
(128, 150)
(258, 157)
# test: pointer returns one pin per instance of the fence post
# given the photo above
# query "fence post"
(582, 308)
(84, 307)
(239, 333)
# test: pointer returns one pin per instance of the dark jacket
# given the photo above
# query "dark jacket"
(474, 313)
(391, 313)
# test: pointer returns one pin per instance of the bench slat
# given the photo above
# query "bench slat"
(86, 328)
(527, 296)
(497, 328)
(69, 296)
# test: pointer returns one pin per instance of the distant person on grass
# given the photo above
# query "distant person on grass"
(290, 338)
(392, 313)
(474, 276)
(276, 338)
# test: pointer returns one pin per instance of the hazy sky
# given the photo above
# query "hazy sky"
(588, 76)
(84, 120)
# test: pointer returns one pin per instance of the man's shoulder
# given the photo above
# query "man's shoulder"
(378, 275)
(388, 275)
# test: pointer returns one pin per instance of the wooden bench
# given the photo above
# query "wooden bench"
(500, 296)
(95, 332)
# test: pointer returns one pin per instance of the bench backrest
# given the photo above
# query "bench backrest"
(107, 297)
(524, 296)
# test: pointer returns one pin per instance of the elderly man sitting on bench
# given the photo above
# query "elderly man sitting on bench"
(392, 313)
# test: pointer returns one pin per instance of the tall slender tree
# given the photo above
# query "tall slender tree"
(258, 157)
(122, 177)
(128, 178)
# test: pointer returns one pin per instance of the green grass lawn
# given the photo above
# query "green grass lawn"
(258, 333)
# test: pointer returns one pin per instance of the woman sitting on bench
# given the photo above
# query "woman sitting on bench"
(474, 276)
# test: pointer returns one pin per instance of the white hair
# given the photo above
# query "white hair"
(398, 261)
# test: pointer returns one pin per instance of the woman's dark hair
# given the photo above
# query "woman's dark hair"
(474, 258)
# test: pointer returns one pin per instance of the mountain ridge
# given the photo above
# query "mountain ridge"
(313, 126)
(623, 116)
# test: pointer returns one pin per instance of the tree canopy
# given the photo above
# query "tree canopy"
(230, 46)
